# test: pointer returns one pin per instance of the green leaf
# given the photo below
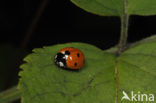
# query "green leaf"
(137, 70)
(118, 7)
(102, 80)
(146, 40)
(43, 82)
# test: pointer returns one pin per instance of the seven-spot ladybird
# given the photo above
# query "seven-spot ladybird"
(70, 58)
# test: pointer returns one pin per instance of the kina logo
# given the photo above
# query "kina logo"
(137, 96)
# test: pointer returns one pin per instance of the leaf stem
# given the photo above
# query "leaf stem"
(33, 25)
(9, 95)
(124, 28)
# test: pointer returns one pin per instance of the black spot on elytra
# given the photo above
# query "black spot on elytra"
(75, 64)
(78, 55)
(67, 52)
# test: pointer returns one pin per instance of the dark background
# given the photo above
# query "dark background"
(62, 22)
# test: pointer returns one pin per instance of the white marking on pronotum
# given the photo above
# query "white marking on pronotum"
(61, 64)
(66, 56)
(71, 58)
(63, 52)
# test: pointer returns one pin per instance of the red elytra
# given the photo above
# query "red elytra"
(75, 59)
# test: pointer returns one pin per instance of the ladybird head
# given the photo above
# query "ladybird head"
(61, 57)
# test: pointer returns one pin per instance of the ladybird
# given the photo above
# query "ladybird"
(70, 58)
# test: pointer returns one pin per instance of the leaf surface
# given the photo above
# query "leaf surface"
(97, 82)
(117, 7)
(137, 70)
(43, 82)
